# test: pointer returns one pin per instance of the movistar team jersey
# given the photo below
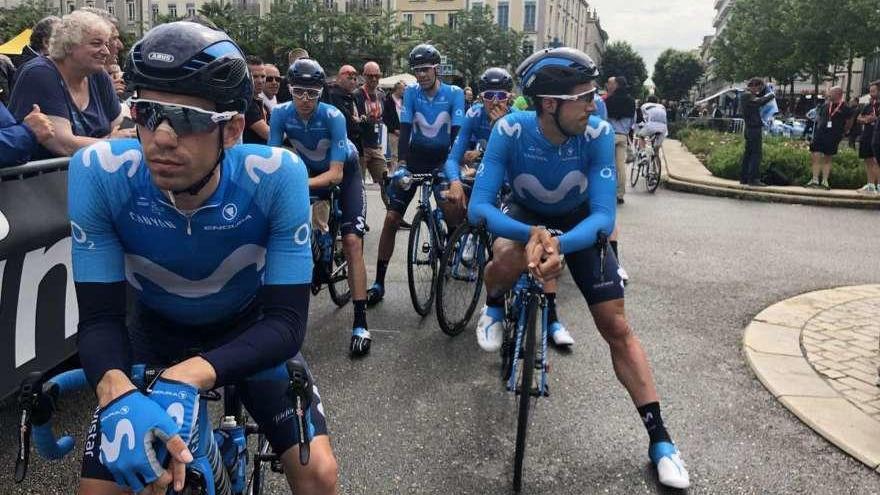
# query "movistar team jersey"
(548, 179)
(432, 118)
(193, 267)
(475, 128)
(320, 140)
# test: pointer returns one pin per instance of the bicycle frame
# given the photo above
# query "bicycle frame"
(331, 195)
(218, 468)
(426, 182)
(525, 287)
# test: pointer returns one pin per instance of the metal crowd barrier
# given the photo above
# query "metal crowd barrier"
(730, 125)
(33, 168)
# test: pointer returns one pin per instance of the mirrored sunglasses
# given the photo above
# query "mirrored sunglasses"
(495, 95)
(184, 119)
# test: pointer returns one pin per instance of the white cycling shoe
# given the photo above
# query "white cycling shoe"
(671, 470)
(490, 331)
(560, 335)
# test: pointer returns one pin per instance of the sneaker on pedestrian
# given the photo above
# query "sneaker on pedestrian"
(559, 334)
(812, 184)
(825, 186)
(757, 183)
(671, 470)
(867, 189)
(360, 341)
(375, 294)
(490, 328)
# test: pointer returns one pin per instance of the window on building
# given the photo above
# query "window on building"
(451, 21)
(408, 22)
(90, 4)
(503, 15)
(155, 12)
(130, 10)
(190, 9)
(477, 6)
(172, 10)
(110, 8)
(529, 17)
(430, 19)
(71, 7)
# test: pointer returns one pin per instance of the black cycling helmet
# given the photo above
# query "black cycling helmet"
(306, 72)
(554, 71)
(496, 79)
(423, 55)
(191, 59)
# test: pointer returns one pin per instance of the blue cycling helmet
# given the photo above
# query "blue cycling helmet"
(496, 79)
(191, 59)
(554, 71)
(423, 55)
(306, 72)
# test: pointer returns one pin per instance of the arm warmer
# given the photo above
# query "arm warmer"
(102, 338)
(403, 142)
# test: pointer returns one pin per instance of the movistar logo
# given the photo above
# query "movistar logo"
(110, 449)
(514, 130)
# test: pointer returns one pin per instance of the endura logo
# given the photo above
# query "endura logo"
(161, 57)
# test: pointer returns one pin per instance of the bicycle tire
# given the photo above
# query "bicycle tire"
(261, 468)
(525, 390)
(337, 279)
(421, 242)
(451, 319)
(653, 179)
(634, 171)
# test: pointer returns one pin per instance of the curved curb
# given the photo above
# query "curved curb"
(773, 349)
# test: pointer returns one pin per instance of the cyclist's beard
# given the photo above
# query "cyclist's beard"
(565, 132)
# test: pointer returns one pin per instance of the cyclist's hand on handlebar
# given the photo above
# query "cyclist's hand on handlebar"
(131, 425)
(542, 254)
(455, 195)
(181, 401)
(471, 156)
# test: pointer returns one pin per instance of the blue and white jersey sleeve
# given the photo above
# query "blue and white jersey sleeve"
(97, 175)
(601, 189)
(280, 114)
(338, 135)
(490, 177)
(457, 106)
(409, 102)
(462, 142)
(288, 250)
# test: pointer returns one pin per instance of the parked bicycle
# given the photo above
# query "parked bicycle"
(646, 163)
(221, 456)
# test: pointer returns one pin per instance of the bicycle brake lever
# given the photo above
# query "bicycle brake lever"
(301, 390)
(602, 240)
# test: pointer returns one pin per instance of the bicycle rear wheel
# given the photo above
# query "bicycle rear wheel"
(525, 389)
(337, 279)
(653, 178)
(421, 264)
(460, 281)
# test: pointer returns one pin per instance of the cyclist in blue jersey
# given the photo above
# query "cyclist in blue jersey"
(317, 131)
(559, 161)
(431, 114)
(214, 239)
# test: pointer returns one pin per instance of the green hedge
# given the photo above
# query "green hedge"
(722, 154)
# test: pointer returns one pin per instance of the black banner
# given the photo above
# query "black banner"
(38, 312)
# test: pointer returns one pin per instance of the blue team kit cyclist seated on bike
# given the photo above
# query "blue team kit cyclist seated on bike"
(430, 117)
(559, 161)
(214, 239)
(317, 132)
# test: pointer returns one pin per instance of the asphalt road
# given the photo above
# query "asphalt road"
(427, 414)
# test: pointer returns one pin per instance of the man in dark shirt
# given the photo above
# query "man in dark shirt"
(868, 116)
(833, 120)
(39, 41)
(341, 96)
(256, 130)
(370, 103)
(752, 101)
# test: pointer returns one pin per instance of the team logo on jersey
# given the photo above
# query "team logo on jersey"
(514, 130)
(458, 113)
(230, 211)
(603, 128)
(137, 267)
(433, 129)
(4, 226)
(317, 154)
(529, 183)
(102, 154)
(606, 173)
(474, 111)
(303, 235)
(266, 165)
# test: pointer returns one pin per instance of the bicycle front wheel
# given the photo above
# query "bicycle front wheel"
(652, 181)
(421, 264)
(337, 280)
(634, 170)
(460, 281)
(525, 388)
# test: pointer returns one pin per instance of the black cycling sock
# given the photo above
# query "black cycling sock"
(551, 308)
(650, 414)
(381, 268)
(360, 313)
(497, 301)
(614, 248)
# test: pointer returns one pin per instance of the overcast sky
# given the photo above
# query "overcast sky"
(652, 26)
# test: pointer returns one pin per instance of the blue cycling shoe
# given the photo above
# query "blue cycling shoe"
(360, 341)
(559, 335)
(670, 468)
(375, 294)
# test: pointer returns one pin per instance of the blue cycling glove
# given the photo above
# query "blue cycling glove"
(134, 423)
(181, 402)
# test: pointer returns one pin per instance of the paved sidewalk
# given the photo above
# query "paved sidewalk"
(685, 172)
(818, 354)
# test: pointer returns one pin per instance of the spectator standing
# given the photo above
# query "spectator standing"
(256, 128)
(833, 119)
(284, 90)
(271, 88)
(7, 73)
(370, 103)
(868, 116)
(341, 96)
(72, 87)
(18, 141)
(753, 99)
(855, 127)
(38, 45)
(621, 115)
(391, 117)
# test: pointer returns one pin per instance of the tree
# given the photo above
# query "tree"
(815, 38)
(860, 38)
(621, 60)
(475, 42)
(23, 16)
(676, 72)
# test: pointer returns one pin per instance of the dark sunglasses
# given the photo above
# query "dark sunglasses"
(183, 119)
(274, 79)
(373, 76)
(495, 95)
